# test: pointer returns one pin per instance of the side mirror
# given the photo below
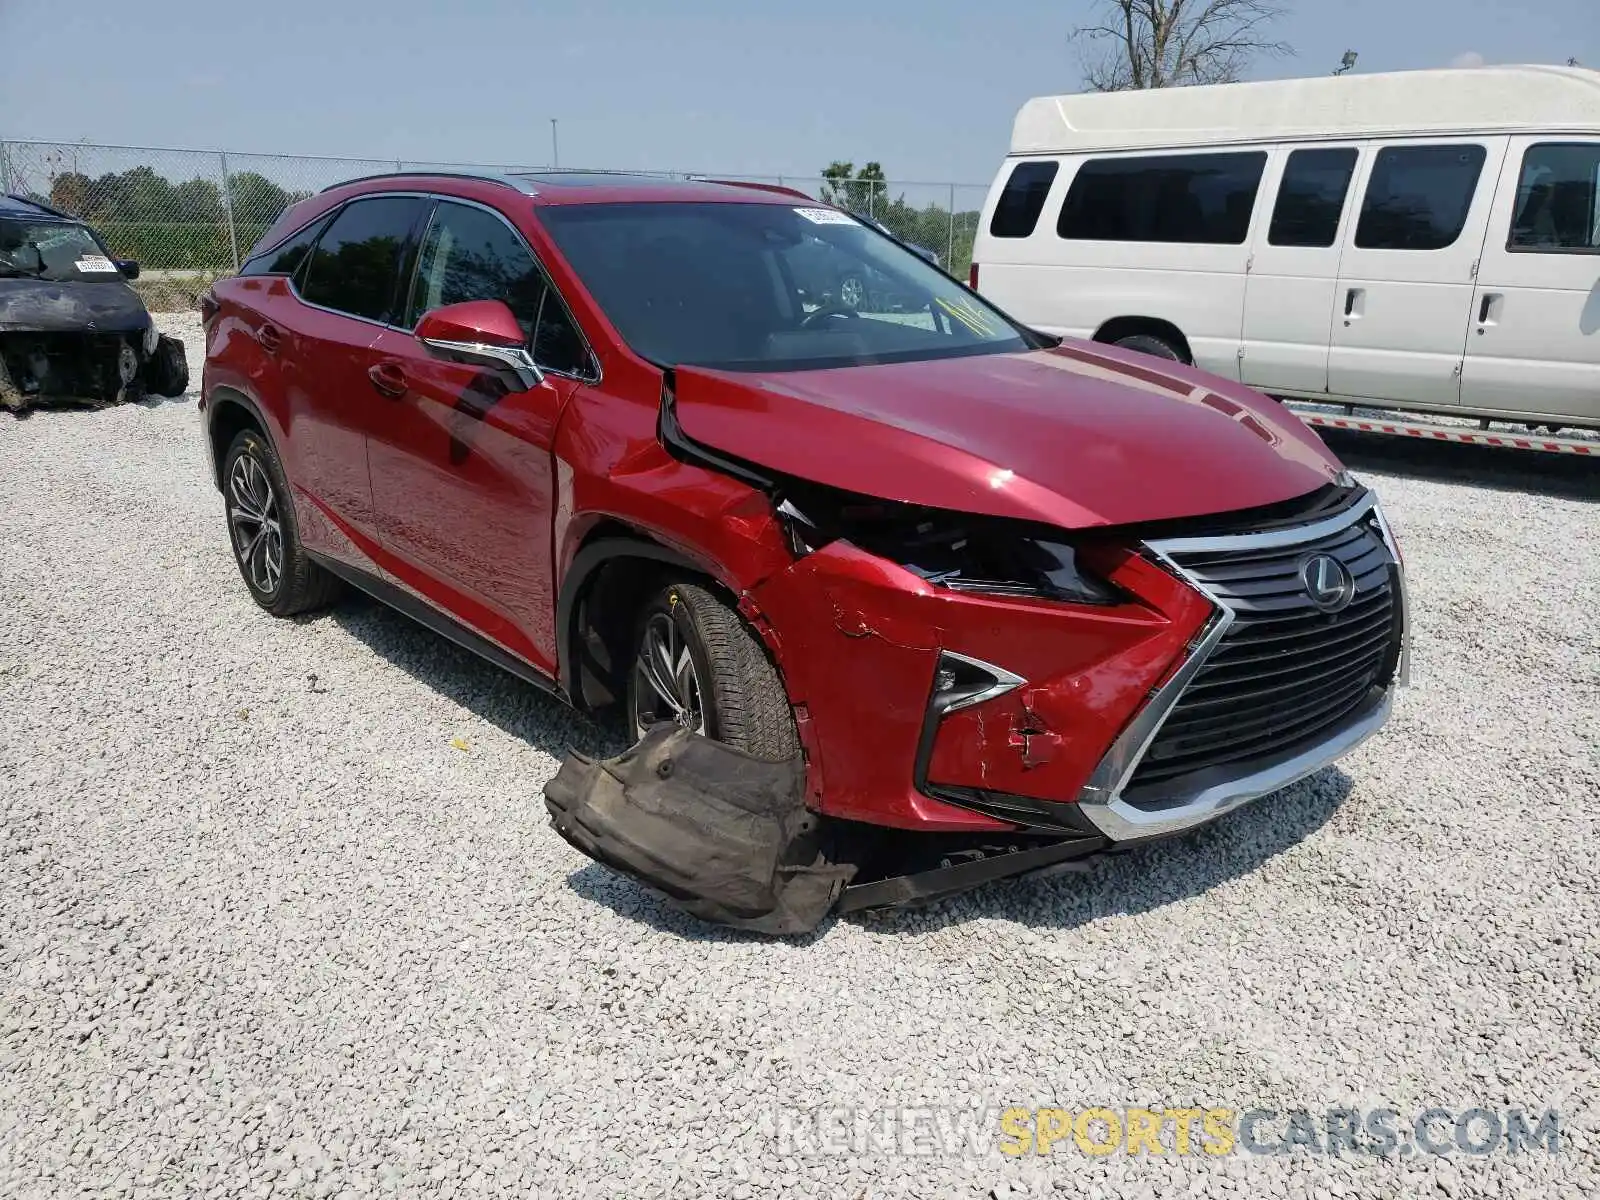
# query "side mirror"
(128, 268)
(484, 332)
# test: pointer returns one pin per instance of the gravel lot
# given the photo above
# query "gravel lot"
(280, 911)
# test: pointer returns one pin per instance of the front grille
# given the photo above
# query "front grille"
(1285, 672)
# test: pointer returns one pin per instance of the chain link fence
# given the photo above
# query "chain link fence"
(190, 216)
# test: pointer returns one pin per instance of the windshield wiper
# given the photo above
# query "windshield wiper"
(8, 271)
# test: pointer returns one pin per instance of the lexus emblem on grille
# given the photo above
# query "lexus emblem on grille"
(1327, 582)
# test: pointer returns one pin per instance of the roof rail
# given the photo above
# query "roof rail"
(481, 176)
(781, 189)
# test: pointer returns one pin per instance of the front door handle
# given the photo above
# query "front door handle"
(1489, 308)
(1352, 304)
(388, 378)
(269, 337)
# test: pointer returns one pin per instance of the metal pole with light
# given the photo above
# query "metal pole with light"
(555, 146)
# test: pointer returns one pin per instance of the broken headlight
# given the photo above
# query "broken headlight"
(152, 338)
(959, 551)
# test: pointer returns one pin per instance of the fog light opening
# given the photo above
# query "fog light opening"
(960, 682)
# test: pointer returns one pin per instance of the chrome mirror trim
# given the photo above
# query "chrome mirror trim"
(515, 358)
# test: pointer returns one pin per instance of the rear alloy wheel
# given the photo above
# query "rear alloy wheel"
(261, 528)
(698, 665)
(257, 530)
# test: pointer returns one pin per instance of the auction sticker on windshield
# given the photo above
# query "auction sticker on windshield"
(95, 262)
(826, 216)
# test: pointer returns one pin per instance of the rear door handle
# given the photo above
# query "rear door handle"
(1352, 298)
(388, 378)
(269, 337)
(1489, 305)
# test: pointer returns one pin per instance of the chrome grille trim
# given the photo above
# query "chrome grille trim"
(1102, 799)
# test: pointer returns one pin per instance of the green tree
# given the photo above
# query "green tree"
(256, 199)
(859, 191)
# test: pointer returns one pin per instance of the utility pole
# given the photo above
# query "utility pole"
(555, 146)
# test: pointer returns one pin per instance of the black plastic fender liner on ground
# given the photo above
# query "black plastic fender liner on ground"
(725, 836)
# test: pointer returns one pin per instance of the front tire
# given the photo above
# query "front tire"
(696, 663)
(261, 528)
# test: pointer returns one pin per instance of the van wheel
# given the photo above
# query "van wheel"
(698, 665)
(1149, 343)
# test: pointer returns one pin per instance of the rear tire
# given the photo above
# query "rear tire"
(265, 537)
(1149, 343)
(697, 663)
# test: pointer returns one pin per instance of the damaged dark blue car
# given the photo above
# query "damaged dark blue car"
(71, 329)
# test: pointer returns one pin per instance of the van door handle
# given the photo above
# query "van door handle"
(1352, 297)
(1491, 302)
(388, 378)
(269, 337)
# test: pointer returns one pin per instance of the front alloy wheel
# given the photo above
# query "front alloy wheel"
(666, 683)
(253, 519)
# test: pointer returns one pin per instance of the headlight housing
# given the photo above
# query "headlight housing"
(152, 338)
(959, 551)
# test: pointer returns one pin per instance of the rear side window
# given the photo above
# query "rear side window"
(356, 265)
(1022, 200)
(1197, 198)
(1558, 200)
(471, 254)
(1418, 197)
(1311, 197)
(286, 257)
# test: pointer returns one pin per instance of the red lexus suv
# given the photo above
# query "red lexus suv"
(894, 595)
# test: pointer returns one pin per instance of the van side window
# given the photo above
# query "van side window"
(1197, 198)
(1418, 197)
(1558, 200)
(1311, 197)
(1019, 206)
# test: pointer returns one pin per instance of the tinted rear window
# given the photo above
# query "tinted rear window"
(1195, 198)
(356, 265)
(1017, 211)
(1418, 197)
(286, 257)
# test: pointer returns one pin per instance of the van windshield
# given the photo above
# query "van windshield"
(769, 287)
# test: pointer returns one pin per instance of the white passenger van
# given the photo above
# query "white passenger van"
(1427, 240)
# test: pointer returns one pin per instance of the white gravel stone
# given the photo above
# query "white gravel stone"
(264, 934)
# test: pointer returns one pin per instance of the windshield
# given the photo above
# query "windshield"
(768, 287)
(51, 250)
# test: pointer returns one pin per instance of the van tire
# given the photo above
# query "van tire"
(1149, 343)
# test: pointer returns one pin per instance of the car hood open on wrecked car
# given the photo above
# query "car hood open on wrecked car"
(1076, 437)
(70, 306)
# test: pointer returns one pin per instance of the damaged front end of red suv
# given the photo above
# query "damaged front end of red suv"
(1015, 634)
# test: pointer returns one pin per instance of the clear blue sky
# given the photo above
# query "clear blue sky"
(928, 87)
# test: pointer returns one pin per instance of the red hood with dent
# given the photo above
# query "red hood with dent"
(1079, 436)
